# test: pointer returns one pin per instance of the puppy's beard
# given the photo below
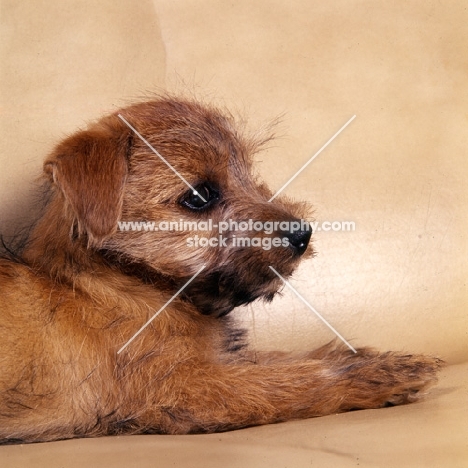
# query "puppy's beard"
(219, 292)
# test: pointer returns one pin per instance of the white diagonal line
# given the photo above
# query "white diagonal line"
(312, 158)
(161, 309)
(158, 154)
(313, 310)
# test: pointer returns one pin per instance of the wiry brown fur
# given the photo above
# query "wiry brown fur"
(83, 288)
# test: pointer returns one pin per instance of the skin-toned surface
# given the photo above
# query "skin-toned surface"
(399, 171)
(398, 282)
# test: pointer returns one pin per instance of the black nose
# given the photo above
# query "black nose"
(299, 240)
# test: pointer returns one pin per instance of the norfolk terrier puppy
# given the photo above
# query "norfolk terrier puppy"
(81, 354)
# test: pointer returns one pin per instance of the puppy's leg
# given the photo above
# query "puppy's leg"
(211, 398)
(327, 351)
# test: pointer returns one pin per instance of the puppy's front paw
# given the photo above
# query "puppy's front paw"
(375, 380)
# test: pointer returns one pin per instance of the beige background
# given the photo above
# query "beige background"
(399, 171)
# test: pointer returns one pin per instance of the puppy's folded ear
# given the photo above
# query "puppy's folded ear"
(90, 169)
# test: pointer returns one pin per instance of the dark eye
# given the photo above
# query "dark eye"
(203, 197)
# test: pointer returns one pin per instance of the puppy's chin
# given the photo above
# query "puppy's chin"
(218, 293)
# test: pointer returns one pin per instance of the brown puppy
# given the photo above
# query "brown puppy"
(82, 288)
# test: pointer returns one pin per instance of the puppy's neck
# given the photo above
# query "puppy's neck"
(56, 251)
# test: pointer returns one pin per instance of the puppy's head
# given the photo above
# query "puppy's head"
(165, 187)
